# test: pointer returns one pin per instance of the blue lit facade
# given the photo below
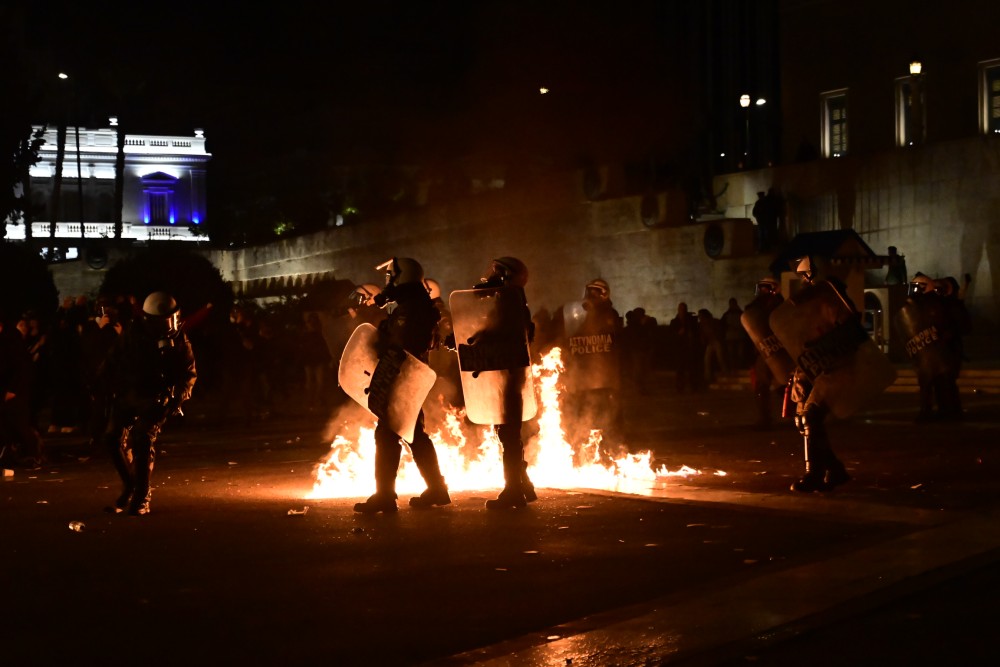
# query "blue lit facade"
(164, 195)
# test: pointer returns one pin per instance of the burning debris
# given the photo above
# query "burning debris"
(472, 461)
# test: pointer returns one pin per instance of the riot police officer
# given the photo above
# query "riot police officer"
(518, 489)
(593, 368)
(411, 327)
(928, 329)
(504, 330)
(823, 470)
(150, 373)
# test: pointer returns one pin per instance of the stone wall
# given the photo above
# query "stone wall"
(938, 204)
(564, 240)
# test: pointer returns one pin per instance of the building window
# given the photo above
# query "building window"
(911, 112)
(159, 208)
(834, 123)
(989, 96)
(159, 189)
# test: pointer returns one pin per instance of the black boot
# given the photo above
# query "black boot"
(377, 502)
(517, 487)
(128, 483)
(810, 482)
(143, 459)
(813, 480)
(836, 473)
(526, 486)
(387, 453)
(426, 460)
(114, 439)
(512, 496)
(122, 502)
(436, 495)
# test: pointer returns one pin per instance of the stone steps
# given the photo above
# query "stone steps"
(970, 381)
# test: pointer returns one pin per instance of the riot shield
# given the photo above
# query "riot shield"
(755, 321)
(823, 335)
(592, 349)
(392, 387)
(493, 358)
(923, 328)
(574, 315)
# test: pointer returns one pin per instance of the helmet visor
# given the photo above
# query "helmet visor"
(159, 326)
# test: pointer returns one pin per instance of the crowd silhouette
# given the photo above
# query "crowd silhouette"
(281, 358)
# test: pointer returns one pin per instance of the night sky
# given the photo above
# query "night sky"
(299, 88)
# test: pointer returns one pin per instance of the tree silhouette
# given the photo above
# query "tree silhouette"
(27, 284)
(187, 275)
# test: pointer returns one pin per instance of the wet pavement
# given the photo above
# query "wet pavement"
(717, 568)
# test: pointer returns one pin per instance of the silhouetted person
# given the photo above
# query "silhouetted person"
(639, 343)
(150, 374)
(19, 440)
(896, 274)
(685, 334)
(734, 336)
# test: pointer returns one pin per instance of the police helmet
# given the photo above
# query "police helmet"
(806, 269)
(401, 271)
(161, 314)
(433, 288)
(510, 270)
(947, 286)
(920, 284)
(597, 288)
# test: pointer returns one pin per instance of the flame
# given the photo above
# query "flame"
(476, 463)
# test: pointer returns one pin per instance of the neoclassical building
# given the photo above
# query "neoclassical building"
(163, 191)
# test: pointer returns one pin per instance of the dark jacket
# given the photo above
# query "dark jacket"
(15, 365)
(412, 323)
(147, 367)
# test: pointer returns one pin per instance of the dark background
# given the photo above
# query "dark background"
(312, 107)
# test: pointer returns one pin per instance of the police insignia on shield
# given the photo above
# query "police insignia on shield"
(592, 339)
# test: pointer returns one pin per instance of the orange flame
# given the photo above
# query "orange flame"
(346, 472)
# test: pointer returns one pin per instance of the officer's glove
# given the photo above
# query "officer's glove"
(174, 407)
(171, 404)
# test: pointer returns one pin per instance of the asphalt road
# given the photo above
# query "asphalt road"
(221, 572)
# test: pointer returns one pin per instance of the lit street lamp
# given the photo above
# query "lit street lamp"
(745, 103)
(916, 102)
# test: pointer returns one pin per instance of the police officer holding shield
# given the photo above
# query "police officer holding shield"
(593, 330)
(928, 326)
(495, 358)
(411, 326)
(823, 470)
